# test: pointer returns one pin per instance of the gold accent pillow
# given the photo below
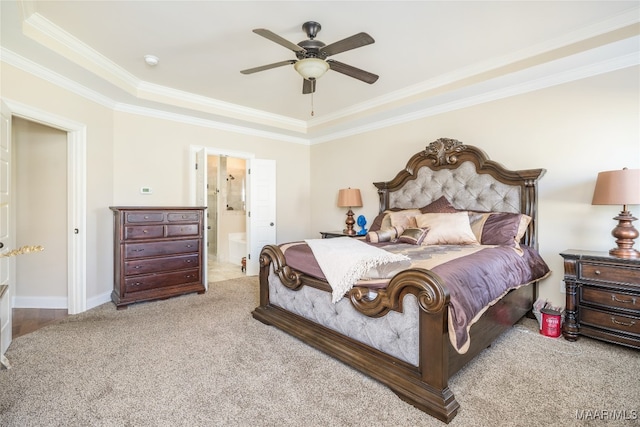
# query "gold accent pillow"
(447, 228)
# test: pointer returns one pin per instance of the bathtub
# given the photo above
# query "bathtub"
(237, 247)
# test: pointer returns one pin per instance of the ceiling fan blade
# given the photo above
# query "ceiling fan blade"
(351, 71)
(357, 40)
(268, 66)
(308, 86)
(277, 39)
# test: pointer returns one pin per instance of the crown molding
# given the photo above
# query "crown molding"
(9, 57)
(466, 99)
(196, 121)
(45, 32)
(205, 104)
(55, 38)
(462, 98)
(621, 20)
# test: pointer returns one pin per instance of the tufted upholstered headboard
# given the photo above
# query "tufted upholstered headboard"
(468, 179)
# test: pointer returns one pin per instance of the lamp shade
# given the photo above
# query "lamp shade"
(311, 68)
(618, 187)
(349, 197)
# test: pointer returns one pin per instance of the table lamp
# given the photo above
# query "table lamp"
(620, 187)
(349, 198)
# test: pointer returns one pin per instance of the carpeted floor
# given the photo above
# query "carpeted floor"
(202, 360)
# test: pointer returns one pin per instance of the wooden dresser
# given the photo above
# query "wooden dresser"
(603, 297)
(158, 253)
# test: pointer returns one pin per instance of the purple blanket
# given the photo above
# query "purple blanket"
(477, 281)
(475, 277)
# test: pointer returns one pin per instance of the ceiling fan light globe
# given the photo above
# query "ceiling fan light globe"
(311, 68)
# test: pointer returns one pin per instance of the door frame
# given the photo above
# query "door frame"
(76, 197)
(193, 175)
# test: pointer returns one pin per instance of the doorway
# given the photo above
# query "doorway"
(226, 214)
(260, 203)
(40, 201)
(75, 186)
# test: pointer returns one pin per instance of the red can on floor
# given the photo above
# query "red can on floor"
(551, 323)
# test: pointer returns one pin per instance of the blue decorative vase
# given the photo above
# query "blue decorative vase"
(362, 221)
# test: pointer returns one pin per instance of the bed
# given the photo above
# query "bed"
(402, 323)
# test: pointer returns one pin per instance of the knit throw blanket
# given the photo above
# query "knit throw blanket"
(344, 260)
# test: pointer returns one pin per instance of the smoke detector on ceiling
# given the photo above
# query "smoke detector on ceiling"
(151, 60)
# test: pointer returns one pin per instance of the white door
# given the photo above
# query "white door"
(261, 217)
(5, 235)
(201, 200)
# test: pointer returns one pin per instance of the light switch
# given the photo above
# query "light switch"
(145, 190)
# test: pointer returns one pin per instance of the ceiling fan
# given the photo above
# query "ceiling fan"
(312, 55)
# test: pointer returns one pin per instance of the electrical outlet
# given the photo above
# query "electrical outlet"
(563, 287)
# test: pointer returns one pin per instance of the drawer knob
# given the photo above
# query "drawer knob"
(617, 322)
(597, 272)
(145, 231)
(137, 250)
(631, 301)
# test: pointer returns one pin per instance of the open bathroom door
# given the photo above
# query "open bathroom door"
(261, 211)
(201, 200)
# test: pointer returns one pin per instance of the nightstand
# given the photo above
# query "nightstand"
(603, 297)
(330, 234)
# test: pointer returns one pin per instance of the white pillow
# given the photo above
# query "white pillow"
(447, 228)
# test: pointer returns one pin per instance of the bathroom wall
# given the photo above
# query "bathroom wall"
(232, 218)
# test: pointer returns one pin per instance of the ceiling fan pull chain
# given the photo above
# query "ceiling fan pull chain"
(311, 104)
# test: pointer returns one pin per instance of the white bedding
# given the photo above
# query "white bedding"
(344, 260)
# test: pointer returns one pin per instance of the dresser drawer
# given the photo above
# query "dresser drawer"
(145, 266)
(606, 298)
(141, 250)
(183, 216)
(154, 281)
(617, 322)
(183, 230)
(608, 273)
(133, 232)
(138, 217)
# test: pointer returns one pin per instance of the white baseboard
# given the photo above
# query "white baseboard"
(40, 302)
(57, 302)
(98, 300)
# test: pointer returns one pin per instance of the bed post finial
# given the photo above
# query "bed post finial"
(444, 151)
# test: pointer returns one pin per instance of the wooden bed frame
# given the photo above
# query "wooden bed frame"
(424, 386)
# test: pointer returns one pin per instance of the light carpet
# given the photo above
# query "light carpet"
(202, 360)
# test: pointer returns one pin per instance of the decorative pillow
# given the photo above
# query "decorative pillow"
(441, 205)
(394, 217)
(413, 236)
(387, 235)
(377, 222)
(499, 228)
(404, 218)
(447, 228)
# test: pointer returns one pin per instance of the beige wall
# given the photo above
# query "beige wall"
(36, 93)
(574, 130)
(40, 195)
(126, 151)
(156, 153)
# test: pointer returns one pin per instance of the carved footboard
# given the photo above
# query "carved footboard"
(425, 385)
